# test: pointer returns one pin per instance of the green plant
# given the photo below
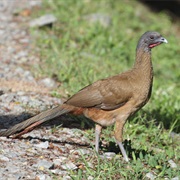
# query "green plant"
(78, 52)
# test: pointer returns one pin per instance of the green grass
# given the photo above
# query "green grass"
(78, 53)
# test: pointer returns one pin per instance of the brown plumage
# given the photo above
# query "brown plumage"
(107, 101)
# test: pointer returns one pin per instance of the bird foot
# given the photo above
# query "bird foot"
(123, 151)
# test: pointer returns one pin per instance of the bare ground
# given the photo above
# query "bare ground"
(43, 153)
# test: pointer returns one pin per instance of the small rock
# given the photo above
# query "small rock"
(19, 70)
(175, 178)
(11, 49)
(2, 32)
(172, 163)
(66, 178)
(150, 176)
(108, 155)
(69, 146)
(24, 99)
(3, 158)
(175, 136)
(55, 171)
(35, 3)
(24, 41)
(90, 178)
(13, 169)
(80, 151)
(90, 165)
(7, 98)
(48, 82)
(43, 177)
(58, 161)
(4, 138)
(28, 75)
(34, 103)
(12, 154)
(69, 166)
(4, 5)
(58, 171)
(43, 145)
(41, 164)
(21, 54)
(45, 20)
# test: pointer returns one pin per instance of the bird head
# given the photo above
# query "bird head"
(150, 39)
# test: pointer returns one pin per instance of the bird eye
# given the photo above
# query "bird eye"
(151, 37)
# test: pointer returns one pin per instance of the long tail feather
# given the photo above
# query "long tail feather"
(41, 118)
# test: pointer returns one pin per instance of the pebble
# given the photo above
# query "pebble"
(2, 32)
(172, 163)
(59, 172)
(3, 158)
(175, 136)
(175, 178)
(5, 139)
(108, 155)
(66, 178)
(43, 145)
(13, 169)
(80, 151)
(43, 164)
(21, 54)
(59, 161)
(48, 82)
(43, 177)
(90, 178)
(150, 176)
(35, 3)
(24, 41)
(47, 19)
(69, 166)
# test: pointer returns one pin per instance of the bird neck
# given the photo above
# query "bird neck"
(143, 61)
(143, 73)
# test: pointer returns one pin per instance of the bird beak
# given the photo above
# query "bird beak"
(163, 40)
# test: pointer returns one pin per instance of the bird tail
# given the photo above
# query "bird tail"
(39, 119)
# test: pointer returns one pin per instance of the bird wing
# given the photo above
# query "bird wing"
(107, 94)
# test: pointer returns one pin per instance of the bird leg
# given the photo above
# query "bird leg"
(118, 136)
(98, 129)
(123, 151)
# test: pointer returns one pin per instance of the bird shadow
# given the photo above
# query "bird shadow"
(7, 121)
(113, 147)
(67, 120)
(80, 122)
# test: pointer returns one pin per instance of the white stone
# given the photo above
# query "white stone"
(69, 166)
(150, 176)
(59, 161)
(172, 163)
(3, 158)
(43, 145)
(43, 20)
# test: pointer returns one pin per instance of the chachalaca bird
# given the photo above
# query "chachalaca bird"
(107, 101)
